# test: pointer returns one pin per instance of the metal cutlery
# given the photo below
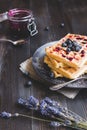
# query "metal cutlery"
(59, 86)
(18, 42)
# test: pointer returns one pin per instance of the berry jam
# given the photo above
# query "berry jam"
(82, 53)
(63, 55)
(85, 39)
(18, 20)
(57, 49)
(78, 38)
(20, 15)
(70, 58)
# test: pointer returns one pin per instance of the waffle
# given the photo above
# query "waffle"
(63, 69)
(50, 65)
(69, 56)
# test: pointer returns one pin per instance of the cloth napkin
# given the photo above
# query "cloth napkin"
(27, 68)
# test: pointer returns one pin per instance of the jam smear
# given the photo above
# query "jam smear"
(57, 49)
(85, 39)
(63, 55)
(82, 53)
(70, 58)
(84, 43)
(78, 38)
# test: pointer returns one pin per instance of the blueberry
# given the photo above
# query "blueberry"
(51, 74)
(73, 48)
(80, 46)
(64, 44)
(75, 43)
(77, 48)
(28, 84)
(70, 45)
(68, 49)
(68, 41)
(62, 25)
(46, 28)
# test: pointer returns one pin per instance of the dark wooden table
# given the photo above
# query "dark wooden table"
(47, 13)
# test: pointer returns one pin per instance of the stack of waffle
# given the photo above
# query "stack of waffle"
(68, 57)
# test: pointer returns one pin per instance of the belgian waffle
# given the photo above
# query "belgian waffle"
(50, 65)
(63, 69)
(69, 56)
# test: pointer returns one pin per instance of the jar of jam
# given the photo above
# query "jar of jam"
(22, 21)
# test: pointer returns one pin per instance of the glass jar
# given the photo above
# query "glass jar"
(22, 21)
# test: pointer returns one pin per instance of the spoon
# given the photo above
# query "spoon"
(18, 42)
(59, 86)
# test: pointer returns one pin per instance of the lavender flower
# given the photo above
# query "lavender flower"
(47, 107)
(51, 102)
(30, 103)
(33, 102)
(54, 111)
(42, 107)
(22, 101)
(54, 104)
(55, 124)
(5, 114)
(68, 122)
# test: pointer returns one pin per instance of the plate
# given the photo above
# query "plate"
(44, 72)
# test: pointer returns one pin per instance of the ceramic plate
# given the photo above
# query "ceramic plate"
(44, 72)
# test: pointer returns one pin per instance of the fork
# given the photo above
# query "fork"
(18, 42)
(59, 86)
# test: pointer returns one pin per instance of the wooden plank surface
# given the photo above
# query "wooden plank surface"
(47, 13)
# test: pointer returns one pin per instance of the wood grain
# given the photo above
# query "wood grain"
(47, 13)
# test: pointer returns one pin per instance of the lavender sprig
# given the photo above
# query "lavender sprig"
(7, 115)
(59, 123)
(54, 110)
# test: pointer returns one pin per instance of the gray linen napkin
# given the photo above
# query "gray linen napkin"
(27, 68)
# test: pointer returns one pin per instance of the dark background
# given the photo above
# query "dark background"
(47, 13)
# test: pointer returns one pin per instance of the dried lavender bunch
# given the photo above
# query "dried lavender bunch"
(59, 116)
(54, 110)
